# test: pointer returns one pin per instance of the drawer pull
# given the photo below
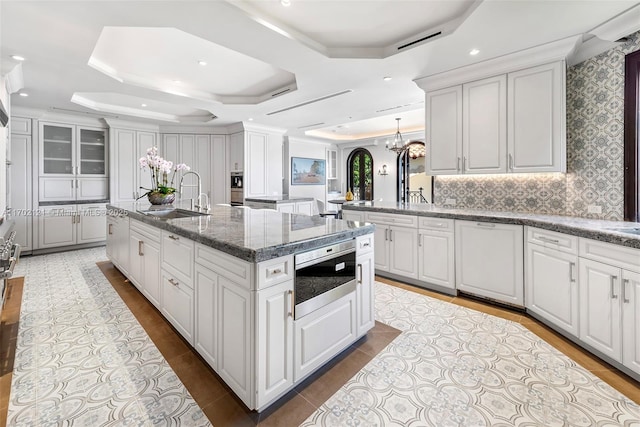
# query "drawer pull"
(276, 271)
(174, 282)
(291, 303)
(547, 239)
(572, 266)
(140, 248)
(172, 237)
(386, 233)
(390, 235)
(458, 165)
(366, 245)
(419, 240)
(110, 228)
(483, 224)
(625, 282)
(613, 282)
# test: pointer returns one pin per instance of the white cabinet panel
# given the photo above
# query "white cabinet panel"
(484, 125)
(124, 174)
(256, 176)
(177, 304)
(536, 99)
(436, 258)
(381, 237)
(19, 185)
(92, 188)
(178, 256)
(365, 292)
(551, 286)
(220, 184)
(56, 189)
(57, 226)
(489, 260)
(151, 268)
(205, 338)
(403, 254)
(444, 131)
(631, 320)
(90, 224)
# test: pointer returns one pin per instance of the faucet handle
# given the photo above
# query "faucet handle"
(205, 206)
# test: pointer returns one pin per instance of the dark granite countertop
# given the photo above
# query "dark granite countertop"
(252, 234)
(605, 231)
(278, 199)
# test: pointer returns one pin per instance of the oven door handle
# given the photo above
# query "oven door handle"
(290, 303)
(360, 273)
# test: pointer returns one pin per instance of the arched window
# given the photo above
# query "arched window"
(360, 174)
(414, 186)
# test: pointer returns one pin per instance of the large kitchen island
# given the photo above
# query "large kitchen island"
(265, 298)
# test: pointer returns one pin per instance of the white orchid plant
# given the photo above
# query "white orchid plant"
(160, 170)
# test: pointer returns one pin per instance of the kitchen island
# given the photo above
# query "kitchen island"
(285, 204)
(579, 276)
(231, 283)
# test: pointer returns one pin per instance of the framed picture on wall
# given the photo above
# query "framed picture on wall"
(307, 171)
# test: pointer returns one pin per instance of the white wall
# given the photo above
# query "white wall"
(296, 147)
(384, 187)
(4, 136)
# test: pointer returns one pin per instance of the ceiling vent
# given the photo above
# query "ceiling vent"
(302, 104)
(88, 113)
(281, 92)
(311, 125)
(420, 40)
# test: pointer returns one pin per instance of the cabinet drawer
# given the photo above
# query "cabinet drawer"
(392, 219)
(20, 125)
(228, 266)
(177, 304)
(145, 230)
(275, 271)
(364, 244)
(352, 215)
(440, 224)
(177, 256)
(609, 253)
(551, 239)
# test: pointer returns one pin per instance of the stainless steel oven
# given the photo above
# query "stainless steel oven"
(324, 275)
(237, 193)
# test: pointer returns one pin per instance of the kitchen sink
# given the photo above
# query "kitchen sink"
(630, 230)
(172, 213)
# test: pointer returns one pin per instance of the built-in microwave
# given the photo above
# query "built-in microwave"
(236, 179)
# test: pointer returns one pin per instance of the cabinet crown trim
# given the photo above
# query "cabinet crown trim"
(538, 55)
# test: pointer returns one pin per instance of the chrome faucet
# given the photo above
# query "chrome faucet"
(199, 204)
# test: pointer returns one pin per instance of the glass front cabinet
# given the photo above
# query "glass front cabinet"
(73, 162)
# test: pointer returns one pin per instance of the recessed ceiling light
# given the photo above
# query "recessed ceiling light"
(18, 57)
(176, 81)
(143, 105)
(285, 3)
(203, 63)
(23, 94)
(250, 119)
(387, 78)
(474, 52)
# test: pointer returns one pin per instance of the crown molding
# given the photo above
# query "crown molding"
(619, 26)
(126, 124)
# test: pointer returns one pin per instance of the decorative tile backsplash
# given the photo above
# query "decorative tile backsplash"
(595, 141)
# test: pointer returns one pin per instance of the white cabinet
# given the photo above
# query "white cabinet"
(73, 154)
(510, 122)
(393, 235)
(609, 307)
(551, 278)
(65, 225)
(144, 261)
(118, 240)
(305, 208)
(489, 260)
(177, 304)
(258, 152)
(332, 164)
(236, 152)
(20, 185)
(536, 125)
(436, 252)
(484, 125)
(365, 283)
(444, 131)
(126, 148)
(205, 339)
(275, 341)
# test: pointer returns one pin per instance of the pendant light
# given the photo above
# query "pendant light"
(398, 145)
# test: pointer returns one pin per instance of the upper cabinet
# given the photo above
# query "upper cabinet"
(512, 122)
(332, 164)
(127, 178)
(503, 115)
(73, 163)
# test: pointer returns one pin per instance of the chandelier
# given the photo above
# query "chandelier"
(398, 145)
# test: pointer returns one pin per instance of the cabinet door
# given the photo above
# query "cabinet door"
(631, 320)
(551, 286)
(403, 243)
(275, 341)
(145, 140)
(20, 195)
(381, 247)
(202, 163)
(236, 152)
(256, 178)
(484, 127)
(124, 166)
(536, 125)
(489, 260)
(600, 307)
(234, 309)
(92, 188)
(444, 131)
(365, 303)
(56, 189)
(286, 207)
(177, 305)
(110, 238)
(151, 269)
(170, 149)
(178, 256)
(332, 164)
(57, 149)
(187, 155)
(122, 243)
(220, 184)
(305, 208)
(205, 337)
(57, 227)
(135, 269)
(436, 258)
(91, 224)
(92, 152)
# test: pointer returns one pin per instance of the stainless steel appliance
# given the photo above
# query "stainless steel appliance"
(237, 198)
(323, 276)
(9, 254)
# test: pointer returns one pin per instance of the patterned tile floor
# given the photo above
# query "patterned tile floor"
(453, 366)
(81, 356)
